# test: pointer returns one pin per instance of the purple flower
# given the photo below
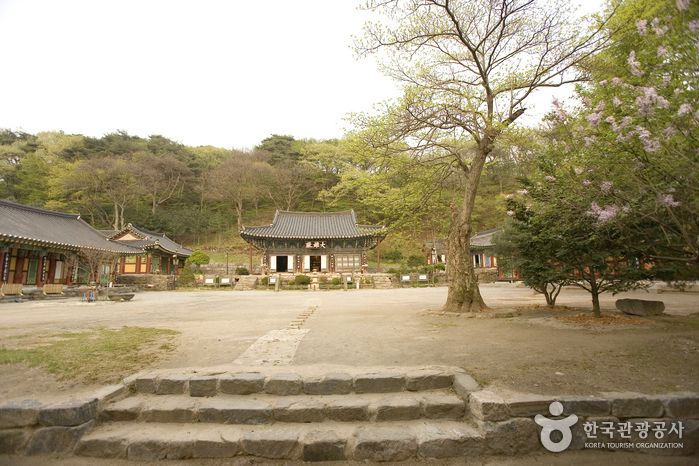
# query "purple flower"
(579, 171)
(684, 108)
(550, 178)
(594, 119)
(617, 81)
(603, 215)
(523, 192)
(606, 186)
(642, 26)
(682, 4)
(510, 213)
(668, 200)
(694, 26)
(589, 140)
(587, 182)
(635, 70)
(617, 101)
(662, 51)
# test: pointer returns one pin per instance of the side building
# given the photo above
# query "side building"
(300, 242)
(39, 247)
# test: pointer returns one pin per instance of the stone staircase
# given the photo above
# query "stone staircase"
(378, 417)
(246, 283)
(375, 414)
(382, 282)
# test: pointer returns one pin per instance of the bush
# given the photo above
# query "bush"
(198, 258)
(416, 260)
(242, 271)
(335, 281)
(392, 255)
(440, 266)
(265, 281)
(302, 280)
(186, 277)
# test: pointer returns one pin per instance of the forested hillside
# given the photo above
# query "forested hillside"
(198, 194)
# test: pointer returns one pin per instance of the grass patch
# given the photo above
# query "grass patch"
(94, 355)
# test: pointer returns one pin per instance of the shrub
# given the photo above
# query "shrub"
(186, 277)
(392, 255)
(198, 258)
(265, 281)
(416, 260)
(302, 280)
(335, 281)
(242, 271)
(440, 266)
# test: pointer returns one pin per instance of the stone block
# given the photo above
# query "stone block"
(130, 381)
(349, 410)
(459, 442)
(632, 404)
(109, 393)
(148, 447)
(323, 446)
(528, 405)
(464, 384)
(215, 444)
(102, 446)
(584, 406)
(242, 384)
(443, 407)
(333, 383)
(56, 439)
(640, 307)
(299, 411)
(516, 436)
(681, 405)
(125, 410)
(146, 384)
(235, 412)
(173, 410)
(284, 384)
(376, 444)
(175, 384)
(487, 406)
(203, 385)
(181, 446)
(595, 433)
(69, 413)
(20, 413)
(273, 443)
(427, 379)
(379, 383)
(398, 408)
(14, 441)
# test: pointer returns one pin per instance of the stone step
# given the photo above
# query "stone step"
(282, 384)
(318, 442)
(267, 409)
(246, 283)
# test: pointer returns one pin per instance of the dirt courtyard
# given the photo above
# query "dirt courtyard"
(520, 345)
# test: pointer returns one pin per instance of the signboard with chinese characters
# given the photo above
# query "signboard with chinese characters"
(315, 245)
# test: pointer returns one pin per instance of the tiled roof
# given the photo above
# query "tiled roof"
(312, 225)
(148, 239)
(52, 229)
(482, 239)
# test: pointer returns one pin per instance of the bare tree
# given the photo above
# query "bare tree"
(467, 69)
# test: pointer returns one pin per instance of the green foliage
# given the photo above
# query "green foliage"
(302, 280)
(392, 255)
(416, 260)
(199, 258)
(186, 278)
(335, 281)
(242, 271)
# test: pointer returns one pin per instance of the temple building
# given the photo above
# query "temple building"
(300, 242)
(39, 247)
(157, 254)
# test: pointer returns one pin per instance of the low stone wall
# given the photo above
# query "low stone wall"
(148, 282)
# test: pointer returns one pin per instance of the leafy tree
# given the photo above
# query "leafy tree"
(199, 258)
(281, 148)
(467, 67)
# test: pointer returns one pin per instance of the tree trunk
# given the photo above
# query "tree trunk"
(594, 291)
(463, 294)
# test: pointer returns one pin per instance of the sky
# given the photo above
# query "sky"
(226, 73)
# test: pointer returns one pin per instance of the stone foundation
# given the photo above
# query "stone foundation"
(148, 282)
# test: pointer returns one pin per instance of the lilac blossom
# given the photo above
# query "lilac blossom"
(694, 26)
(579, 171)
(594, 119)
(510, 213)
(662, 51)
(642, 26)
(617, 101)
(668, 200)
(523, 192)
(682, 4)
(587, 182)
(617, 81)
(635, 70)
(550, 178)
(605, 186)
(587, 102)
(669, 131)
(600, 106)
(602, 215)
(684, 108)
(589, 140)
(659, 31)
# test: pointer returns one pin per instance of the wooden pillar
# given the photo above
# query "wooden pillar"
(250, 241)
(378, 255)
(3, 255)
(149, 264)
(40, 268)
(19, 268)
